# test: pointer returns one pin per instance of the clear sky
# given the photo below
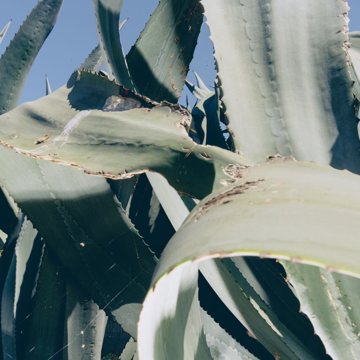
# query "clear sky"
(74, 36)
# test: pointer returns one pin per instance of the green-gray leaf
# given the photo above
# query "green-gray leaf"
(4, 31)
(108, 131)
(159, 61)
(284, 192)
(107, 19)
(19, 56)
(330, 300)
(85, 326)
(47, 322)
(94, 239)
(221, 344)
(286, 90)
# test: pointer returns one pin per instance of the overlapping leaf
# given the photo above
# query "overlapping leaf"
(159, 60)
(104, 129)
(107, 14)
(19, 56)
(331, 301)
(284, 78)
(322, 198)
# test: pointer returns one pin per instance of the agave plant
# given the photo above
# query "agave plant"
(135, 228)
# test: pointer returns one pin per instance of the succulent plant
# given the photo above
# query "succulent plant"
(135, 228)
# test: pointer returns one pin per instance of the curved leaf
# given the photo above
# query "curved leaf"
(85, 326)
(281, 315)
(4, 31)
(19, 56)
(286, 193)
(8, 332)
(95, 60)
(244, 303)
(8, 264)
(276, 193)
(28, 251)
(206, 114)
(221, 344)
(284, 78)
(129, 350)
(331, 301)
(108, 131)
(159, 60)
(17, 290)
(87, 230)
(279, 296)
(107, 19)
(48, 87)
(175, 209)
(47, 322)
(173, 328)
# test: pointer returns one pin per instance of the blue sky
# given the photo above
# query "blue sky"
(74, 36)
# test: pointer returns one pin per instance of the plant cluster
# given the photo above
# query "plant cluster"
(134, 228)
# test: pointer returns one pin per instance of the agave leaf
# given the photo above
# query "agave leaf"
(148, 216)
(196, 91)
(173, 329)
(127, 313)
(48, 87)
(19, 56)
(200, 83)
(28, 253)
(95, 60)
(174, 207)
(281, 340)
(93, 239)
(249, 309)
(135, 135)
(159, 61)
(330, 300)
(124, 190)
(221, 344)
(276, 293)
(4, 31)
(85, 326)
(7, 314)
(154, 210)
(206, 115)
(115, 339)
(45, 335)
(321, 197)
(9, 214)
(262, 190)
(7, 262)
(291, 323)
(129, 350)
(354, 53)
(286, 96)
(18, 288)
(200, 91)
(107, 14)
